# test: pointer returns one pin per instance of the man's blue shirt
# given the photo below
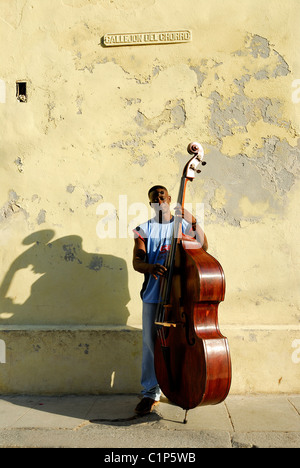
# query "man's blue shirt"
(157, 238)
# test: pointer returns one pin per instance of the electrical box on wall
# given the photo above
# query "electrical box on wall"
(21, 91)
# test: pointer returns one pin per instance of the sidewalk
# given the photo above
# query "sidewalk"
(108, 421)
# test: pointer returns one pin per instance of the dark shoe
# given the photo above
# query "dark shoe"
(145, 406)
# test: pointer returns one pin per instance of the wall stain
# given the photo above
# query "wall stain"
(96, 263)
(41, 218)
(71, 253)
(12, 206)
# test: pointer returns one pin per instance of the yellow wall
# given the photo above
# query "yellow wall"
(101, 122)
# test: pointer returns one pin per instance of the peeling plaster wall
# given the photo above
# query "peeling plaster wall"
(102, 122)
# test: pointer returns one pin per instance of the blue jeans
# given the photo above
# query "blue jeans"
(149, 382)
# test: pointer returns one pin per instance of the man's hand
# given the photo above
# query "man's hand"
(185, 214)
(200, 235)
(156, 270)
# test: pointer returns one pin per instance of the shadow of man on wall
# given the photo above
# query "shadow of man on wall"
(73, 286)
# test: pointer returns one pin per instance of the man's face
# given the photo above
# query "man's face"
(160, 201)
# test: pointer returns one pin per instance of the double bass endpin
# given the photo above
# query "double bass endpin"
(185, 417)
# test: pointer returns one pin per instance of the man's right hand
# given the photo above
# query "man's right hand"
(156, 270)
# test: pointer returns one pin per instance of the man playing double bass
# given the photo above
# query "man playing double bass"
(152, 241)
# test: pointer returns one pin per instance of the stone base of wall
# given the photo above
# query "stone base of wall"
(97, 360)
(71, 360)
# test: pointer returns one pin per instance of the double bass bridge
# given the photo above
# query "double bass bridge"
(167, 309)
(166, 324)
(183, 323)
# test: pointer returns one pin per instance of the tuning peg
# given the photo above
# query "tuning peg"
(198, 172)
(203, 163)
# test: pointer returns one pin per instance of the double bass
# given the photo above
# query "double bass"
(192, 358)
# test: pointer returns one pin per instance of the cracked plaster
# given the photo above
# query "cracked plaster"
(112, 122)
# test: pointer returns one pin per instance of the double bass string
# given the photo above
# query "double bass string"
(166, 282)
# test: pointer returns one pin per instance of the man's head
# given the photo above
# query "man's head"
(160, 200)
